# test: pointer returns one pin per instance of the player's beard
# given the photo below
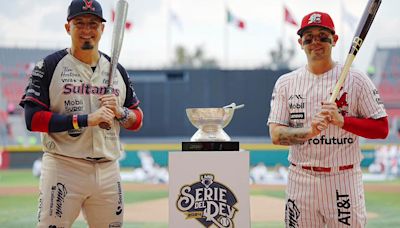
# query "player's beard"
(87, 46)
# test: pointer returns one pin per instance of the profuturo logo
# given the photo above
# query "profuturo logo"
(209, 202)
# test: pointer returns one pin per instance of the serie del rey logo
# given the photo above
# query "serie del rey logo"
(208, 201)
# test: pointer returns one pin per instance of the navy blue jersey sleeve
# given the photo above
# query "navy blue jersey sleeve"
(37, 90)
(131, 100)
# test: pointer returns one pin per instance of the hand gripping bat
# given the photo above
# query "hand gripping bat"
(116, 44)
(363, 27)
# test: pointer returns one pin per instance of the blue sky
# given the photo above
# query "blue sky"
(149, 44)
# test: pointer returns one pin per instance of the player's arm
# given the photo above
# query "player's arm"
(284, 135)
(129, 115)
(39, 119)
(130, 118)
(364, 127)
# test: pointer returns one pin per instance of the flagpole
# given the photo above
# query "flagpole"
(168, 36)
(341, 55)
(283, 26)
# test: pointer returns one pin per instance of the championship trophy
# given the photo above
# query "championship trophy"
(210, 135)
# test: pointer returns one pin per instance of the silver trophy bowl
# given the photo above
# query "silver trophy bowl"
(210, 122)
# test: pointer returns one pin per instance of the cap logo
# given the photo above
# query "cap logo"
(314, 18)
(88, 5)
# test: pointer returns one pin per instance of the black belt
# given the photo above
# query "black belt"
(101, 159)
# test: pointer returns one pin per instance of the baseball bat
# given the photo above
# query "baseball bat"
(121, 12)
(363, 27)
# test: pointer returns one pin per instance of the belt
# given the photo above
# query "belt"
(97, 160)
(324, 169)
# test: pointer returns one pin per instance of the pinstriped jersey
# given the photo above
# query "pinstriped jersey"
(297, 97)
(63, 84)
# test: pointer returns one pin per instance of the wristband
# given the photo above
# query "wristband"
(75, 122)
(125, 116)
(82, 121)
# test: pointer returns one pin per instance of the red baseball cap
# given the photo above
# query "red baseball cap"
(318, 19)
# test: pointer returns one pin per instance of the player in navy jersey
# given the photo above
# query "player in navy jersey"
(66, 101)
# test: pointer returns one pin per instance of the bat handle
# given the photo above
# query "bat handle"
(104, 125)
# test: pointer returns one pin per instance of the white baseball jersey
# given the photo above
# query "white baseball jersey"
(297, 97)
(63, 84)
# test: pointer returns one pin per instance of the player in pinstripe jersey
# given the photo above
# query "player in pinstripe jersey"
(66, 100)
(325, 186)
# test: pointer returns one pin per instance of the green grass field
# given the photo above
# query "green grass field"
(20, 210)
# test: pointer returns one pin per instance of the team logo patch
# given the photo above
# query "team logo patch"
(342, 104)
(209, 202)
(377, 98)
(88, 5)
(314, 18)
(50, 145)
(40, 64)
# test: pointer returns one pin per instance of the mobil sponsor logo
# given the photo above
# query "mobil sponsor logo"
(296, 105)
(73, 105)
(296, 101)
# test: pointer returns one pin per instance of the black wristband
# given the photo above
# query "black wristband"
(82, 121)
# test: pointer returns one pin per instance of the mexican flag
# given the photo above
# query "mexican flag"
(232, 19)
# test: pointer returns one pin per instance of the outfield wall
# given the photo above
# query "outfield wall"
(16, 157)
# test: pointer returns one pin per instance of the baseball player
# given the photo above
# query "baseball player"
(325, 186)
(66, 100)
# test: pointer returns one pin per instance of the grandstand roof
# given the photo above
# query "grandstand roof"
(12, 57)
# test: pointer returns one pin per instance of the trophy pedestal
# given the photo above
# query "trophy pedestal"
(209, 189)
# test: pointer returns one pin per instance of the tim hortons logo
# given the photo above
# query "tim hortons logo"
(208, 201)
(342, 104)
(88, 5)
